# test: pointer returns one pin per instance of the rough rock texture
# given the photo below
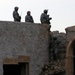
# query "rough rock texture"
(57, 67)
(25, 39)
(54, 68)
(63, 43)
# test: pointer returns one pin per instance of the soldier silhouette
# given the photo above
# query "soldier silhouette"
(44, 18)
(28, 17)
(16, 15)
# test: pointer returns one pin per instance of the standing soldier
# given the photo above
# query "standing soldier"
(16, 15)
(28, 17)
(45, 19)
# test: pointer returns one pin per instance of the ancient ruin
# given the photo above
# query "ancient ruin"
(70, 51)
(25, 49)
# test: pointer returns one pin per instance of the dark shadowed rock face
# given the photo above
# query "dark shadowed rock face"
(63, 42)
(57, 67)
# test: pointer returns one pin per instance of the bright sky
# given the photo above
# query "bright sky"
(61, 11)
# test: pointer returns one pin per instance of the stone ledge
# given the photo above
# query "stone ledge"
(20, 59)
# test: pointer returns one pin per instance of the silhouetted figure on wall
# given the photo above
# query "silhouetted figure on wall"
(28, 17)
(44, 18)
(16, 15)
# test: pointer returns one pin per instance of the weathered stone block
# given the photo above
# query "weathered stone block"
(24, 39)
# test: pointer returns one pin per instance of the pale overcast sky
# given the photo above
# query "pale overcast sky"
(61, 11)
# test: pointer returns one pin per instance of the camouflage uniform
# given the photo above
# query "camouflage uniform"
(16, 15)
(29, 18)
(45, 18)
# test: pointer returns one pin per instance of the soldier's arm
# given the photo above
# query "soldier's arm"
(32, 19)
(16, 15)
(26, 19)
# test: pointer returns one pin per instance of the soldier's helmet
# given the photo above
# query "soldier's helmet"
(16, 8)
(45, 11)
(28, 12)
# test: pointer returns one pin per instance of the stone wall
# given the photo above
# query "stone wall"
(56, 65)
(70, 33)
(61, 37)
(25, 39)
(59, 63)
(70, 51)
